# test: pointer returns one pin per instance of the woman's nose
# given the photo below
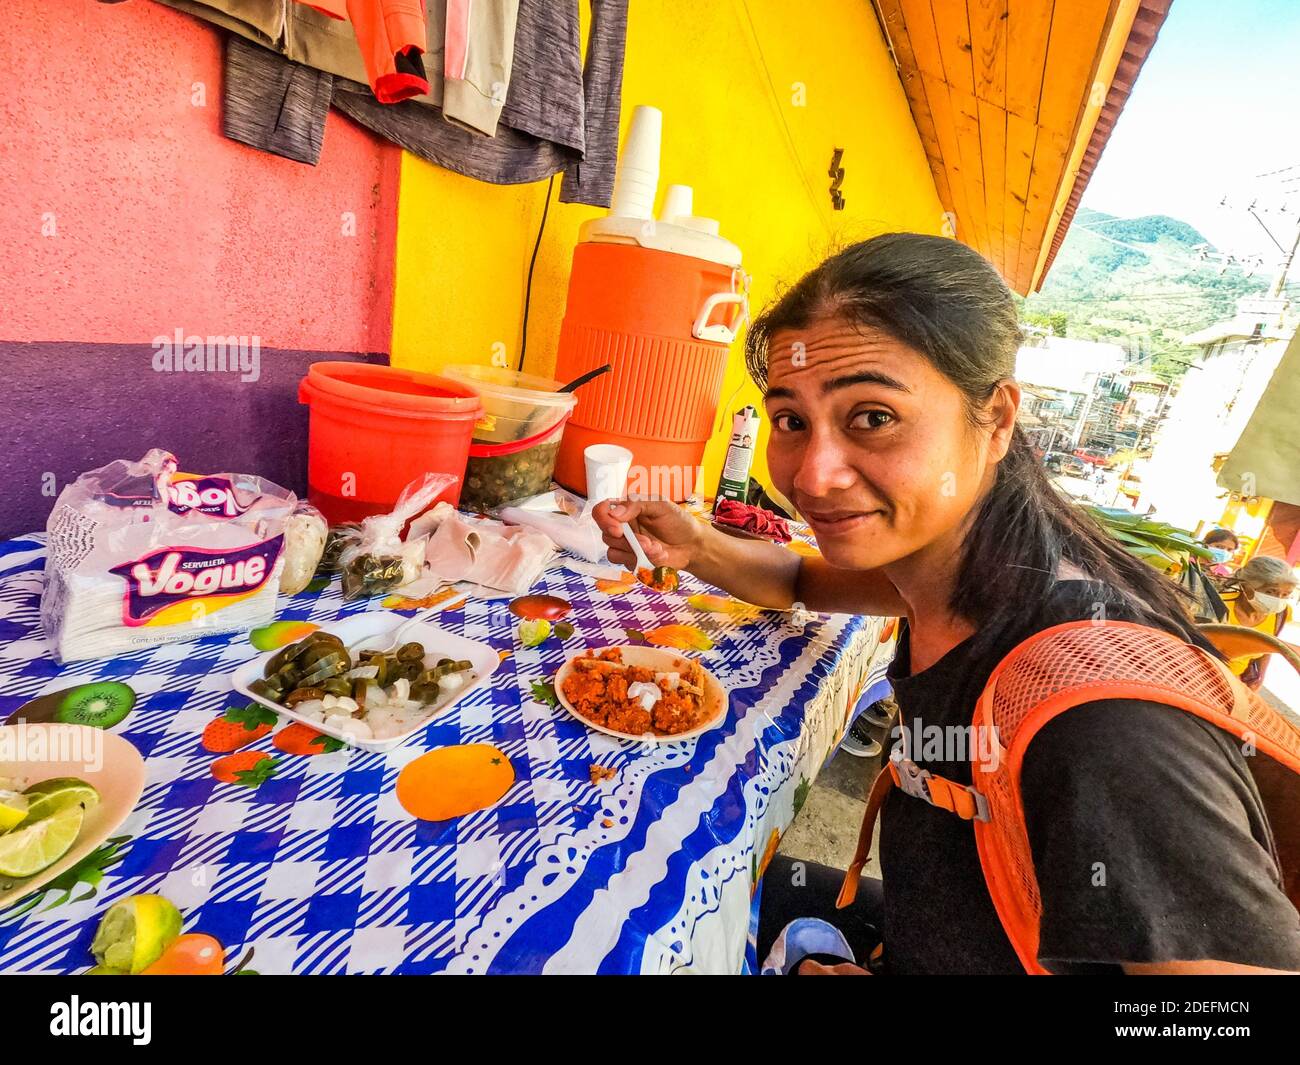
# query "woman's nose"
(823, 469)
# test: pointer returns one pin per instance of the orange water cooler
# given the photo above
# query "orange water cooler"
(660, 300)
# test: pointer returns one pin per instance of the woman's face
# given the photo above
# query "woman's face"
(873, 445)
(1273, 590)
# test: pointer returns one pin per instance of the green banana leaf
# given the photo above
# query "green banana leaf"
(1157, 543)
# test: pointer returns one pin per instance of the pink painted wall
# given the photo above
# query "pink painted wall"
(161, 221)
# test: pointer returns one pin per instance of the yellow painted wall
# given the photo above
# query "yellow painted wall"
(755, 95)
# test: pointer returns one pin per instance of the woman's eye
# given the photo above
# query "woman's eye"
(787, 423)
(871, 419)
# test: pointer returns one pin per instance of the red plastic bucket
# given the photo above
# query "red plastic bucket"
(374, 429)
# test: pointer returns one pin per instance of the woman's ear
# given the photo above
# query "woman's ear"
(1003, 407)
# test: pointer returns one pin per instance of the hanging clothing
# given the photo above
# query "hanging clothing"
(391, 36)
(482, 34)
(272, 104)
(576, 133)
(558, 115)
(477, 60)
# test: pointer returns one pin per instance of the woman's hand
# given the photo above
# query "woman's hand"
(669, 535)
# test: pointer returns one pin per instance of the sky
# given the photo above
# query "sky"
(1216, 103)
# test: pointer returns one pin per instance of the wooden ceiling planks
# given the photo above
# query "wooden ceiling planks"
(1075, 44)
(999, 90)
(937, 130)
(1147, 22)
(988, 35)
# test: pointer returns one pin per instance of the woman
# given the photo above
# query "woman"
(1222, 544)
(1258, 596)
(888, 385)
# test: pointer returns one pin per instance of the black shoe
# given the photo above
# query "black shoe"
(879, 714)
(859, 742)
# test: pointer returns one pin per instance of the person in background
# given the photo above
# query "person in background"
(1259, 596)
(1223, 545)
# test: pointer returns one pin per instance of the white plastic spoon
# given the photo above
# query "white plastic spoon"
(641, 561)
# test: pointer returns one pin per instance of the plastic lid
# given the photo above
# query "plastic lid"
(494, 382)
(694, 237)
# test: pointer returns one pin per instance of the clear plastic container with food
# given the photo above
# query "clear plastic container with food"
(517, 439)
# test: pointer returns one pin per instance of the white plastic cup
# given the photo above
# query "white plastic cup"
(607, 470)
(678, 203)
(637, 179)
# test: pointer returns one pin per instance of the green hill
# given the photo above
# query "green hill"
(1139, 282)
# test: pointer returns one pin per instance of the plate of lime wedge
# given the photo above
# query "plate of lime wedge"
(63, 791)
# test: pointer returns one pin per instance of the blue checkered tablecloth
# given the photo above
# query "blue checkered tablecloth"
(320, 870)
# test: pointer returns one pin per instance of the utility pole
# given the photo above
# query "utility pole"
(1279, 282)
(1289, 180)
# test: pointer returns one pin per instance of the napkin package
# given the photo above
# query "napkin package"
(139, 554)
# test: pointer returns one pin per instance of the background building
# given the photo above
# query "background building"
(1186, 481)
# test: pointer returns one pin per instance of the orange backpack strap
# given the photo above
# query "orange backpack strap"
(903, 773)
(880, 788)
(1082, 662)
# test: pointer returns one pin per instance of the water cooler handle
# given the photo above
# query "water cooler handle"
(719, 332)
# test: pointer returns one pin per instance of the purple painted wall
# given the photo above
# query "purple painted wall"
(71, 407)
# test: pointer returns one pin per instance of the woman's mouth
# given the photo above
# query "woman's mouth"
(837, 522)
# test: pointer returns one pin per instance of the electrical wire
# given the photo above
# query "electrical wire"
(532, 263)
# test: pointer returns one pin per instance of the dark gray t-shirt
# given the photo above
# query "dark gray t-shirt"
(1149, 840)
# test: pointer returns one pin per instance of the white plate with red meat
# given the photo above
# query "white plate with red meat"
(641, 693)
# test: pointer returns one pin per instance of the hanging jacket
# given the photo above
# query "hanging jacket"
(391, 36)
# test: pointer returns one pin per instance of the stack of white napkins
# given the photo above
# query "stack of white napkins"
(480, 551)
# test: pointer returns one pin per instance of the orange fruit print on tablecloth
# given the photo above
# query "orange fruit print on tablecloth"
(195, 954)
(682, 637)
(454, 781)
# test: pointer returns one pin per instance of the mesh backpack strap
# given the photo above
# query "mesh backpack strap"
(1082, 662)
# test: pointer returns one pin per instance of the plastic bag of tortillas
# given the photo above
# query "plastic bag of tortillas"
(140, 554)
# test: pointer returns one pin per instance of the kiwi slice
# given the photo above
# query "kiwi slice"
(101, 705)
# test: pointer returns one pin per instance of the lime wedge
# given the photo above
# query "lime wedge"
(14, 808)
(51, 796)
(531, 633)
(134, 933)
(39, 844)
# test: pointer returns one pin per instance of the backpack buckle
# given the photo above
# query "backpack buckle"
(910, 777)
(960, 799)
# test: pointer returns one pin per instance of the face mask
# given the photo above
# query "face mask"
(1271, 603)
(1220, 554)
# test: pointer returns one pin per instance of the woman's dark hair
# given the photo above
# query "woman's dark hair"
(1218, 536)
(948, 303)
